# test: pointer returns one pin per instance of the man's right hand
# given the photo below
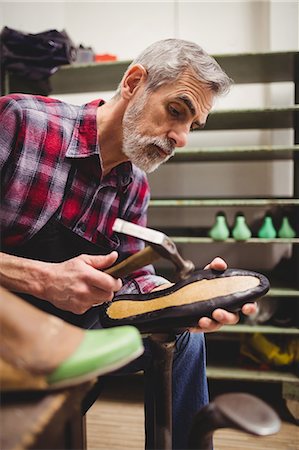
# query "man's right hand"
(74, 285)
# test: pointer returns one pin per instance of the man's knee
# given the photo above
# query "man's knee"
(193, 343)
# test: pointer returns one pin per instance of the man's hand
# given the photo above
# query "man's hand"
(74, 285)
(221, 316)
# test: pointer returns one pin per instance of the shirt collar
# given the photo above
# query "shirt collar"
(84, 141)
(84, 144)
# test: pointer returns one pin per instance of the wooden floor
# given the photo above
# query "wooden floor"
(115, 422)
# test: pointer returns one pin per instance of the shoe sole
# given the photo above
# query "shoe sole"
(182, 305)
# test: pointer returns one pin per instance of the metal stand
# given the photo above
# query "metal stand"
(161, 374)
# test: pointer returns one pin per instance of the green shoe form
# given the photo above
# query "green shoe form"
(267, 230)
(220, 230)
(40, 351)
(286, 230)
(100, 352)
(241, 231)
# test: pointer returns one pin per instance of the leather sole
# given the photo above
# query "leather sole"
(183, 304)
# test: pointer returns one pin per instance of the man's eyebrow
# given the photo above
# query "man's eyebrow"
(191, 108)
(188, 103)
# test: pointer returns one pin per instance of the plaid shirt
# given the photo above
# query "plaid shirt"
(50, 163)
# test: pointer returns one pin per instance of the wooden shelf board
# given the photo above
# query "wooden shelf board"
(235, 373)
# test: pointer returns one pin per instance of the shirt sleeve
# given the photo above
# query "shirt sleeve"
(10, 122)
(134, 209)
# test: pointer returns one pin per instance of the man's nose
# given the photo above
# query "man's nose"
(178, 136)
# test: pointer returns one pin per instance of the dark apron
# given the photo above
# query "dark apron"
(56, 243)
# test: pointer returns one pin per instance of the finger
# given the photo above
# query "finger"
(217, 264)
(250, 308)
(99, 296)
(224, 317)
(91, 297)
(104, 282)
(162, 287)
(98, 279)
(101, 261)
(207, 325)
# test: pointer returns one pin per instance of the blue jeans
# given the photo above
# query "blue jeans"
(189, 386)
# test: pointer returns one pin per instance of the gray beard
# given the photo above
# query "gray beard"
(143, 151)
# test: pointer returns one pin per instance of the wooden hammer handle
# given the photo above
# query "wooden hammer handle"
(146, 256)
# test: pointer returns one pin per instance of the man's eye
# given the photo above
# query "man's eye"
(195, 127)
(173, 111)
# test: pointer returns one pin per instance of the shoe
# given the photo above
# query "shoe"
(183, 304)
(65, 356)
(99, 353)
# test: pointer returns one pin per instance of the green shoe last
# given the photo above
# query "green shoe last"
(100, 352)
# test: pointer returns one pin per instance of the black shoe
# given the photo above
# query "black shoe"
(183, 304)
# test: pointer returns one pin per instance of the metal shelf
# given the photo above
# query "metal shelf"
(235, 373)
(265, 329)
(236, 153)
(254, 240)
(261, 118)
(259, 67)
(175, 202)
(105, 76)
(283, 292)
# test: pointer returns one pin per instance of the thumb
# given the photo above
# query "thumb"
(102, 261)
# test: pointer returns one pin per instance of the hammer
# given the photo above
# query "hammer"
(159, 246)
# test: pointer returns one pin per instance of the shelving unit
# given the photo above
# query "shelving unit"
(262, 68)
(243, 68)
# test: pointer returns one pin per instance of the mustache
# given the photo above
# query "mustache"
(165, 145)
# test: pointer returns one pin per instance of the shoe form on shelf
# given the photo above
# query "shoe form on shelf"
(267, 230)
(183, 304)
(241, 231)
(286, 230)
(40, 351)
(220, 230)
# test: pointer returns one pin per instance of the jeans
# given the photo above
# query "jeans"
(189, 386)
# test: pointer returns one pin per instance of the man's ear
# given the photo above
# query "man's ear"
(132, 80)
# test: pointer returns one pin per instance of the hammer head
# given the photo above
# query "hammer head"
(161, 243)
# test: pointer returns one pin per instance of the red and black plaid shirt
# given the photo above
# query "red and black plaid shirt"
(50, 161)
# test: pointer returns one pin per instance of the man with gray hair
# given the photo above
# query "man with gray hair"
(68, 172)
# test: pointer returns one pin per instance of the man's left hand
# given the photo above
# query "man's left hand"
(221, 316)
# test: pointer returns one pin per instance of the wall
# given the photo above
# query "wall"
(125, 28)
